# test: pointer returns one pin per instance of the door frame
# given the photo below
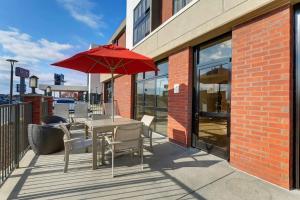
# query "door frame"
(296, 104)
(195, 117)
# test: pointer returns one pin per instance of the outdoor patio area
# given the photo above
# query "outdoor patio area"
(170, 172)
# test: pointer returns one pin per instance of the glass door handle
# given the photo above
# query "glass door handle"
(197, 116)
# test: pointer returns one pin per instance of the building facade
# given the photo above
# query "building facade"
(229, 79)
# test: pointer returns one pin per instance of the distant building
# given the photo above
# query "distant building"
(94, 85)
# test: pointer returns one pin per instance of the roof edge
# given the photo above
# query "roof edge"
(119, 31)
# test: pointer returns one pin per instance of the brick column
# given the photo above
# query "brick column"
(50, 105)
(167, 10)
(261, 108)
(180, 104)
(36, 100)
(124, 95)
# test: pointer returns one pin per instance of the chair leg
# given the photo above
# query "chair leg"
(66, 160)
(112, 162)
(151, 140)
(142, 157)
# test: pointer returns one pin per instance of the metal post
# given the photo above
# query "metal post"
(11, 82)
(17, 130)
(12, 63)
(113, 96)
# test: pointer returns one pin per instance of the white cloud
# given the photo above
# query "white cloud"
(24, 48)
(101, 34)
(34, 55)
(81, 10)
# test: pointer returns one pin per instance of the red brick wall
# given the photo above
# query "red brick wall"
(122, 40)
(36, 107)
(50, 104)
(180, 104)
(123, 86)
(262, 97)
(167, 10)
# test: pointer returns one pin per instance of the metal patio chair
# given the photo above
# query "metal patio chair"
(147, 130)
(125, 140)
(73, 144)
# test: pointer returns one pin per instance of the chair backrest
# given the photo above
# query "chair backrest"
(61, 110)
(67, 134)
(129, 136)
(81, 110)
(107, 108)
(147, 120)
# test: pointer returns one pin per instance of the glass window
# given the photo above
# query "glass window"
(163, 68)
(141, 27)
(108, 92)
(215, 52)
(150, 74)
(149, 89)
(139, 93)
(162, 92)
(152, 97)
(161, 121)
(140, 76)
(179, 4)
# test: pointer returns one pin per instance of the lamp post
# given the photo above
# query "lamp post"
(33, 83)
(48, 91)
(12, 63)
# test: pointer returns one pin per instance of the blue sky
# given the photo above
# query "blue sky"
(40, 32)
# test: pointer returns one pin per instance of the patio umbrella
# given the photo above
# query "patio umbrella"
(109, 59)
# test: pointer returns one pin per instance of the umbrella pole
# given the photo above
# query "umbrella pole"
(113, 96)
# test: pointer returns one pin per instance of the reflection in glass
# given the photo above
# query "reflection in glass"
(162, 92)
(150, 74)
(213, 131)
(214, 90)
(139, 112)
(149, 90)
(215, 52)
(163, 68)
(214, 94)
(108, 92)
(140, 76)
(139, 93)
(152, 97)
(161, 119)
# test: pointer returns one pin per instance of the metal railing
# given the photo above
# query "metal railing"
(96, 108)
(14, 120)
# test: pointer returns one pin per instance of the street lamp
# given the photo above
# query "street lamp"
(33, 83)
(48, 91)
(12, 63)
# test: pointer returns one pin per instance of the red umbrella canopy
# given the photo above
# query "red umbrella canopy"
(108, 59)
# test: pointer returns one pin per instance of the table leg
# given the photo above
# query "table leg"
(86, 135)
(102, 149)
(94, 138)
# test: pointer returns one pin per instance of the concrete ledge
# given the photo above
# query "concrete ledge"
(16, 177)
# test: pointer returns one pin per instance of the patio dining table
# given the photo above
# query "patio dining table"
(99, 128)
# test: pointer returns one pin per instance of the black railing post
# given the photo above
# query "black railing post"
(17, 131)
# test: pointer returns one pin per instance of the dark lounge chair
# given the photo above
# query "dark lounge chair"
(45, 139)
